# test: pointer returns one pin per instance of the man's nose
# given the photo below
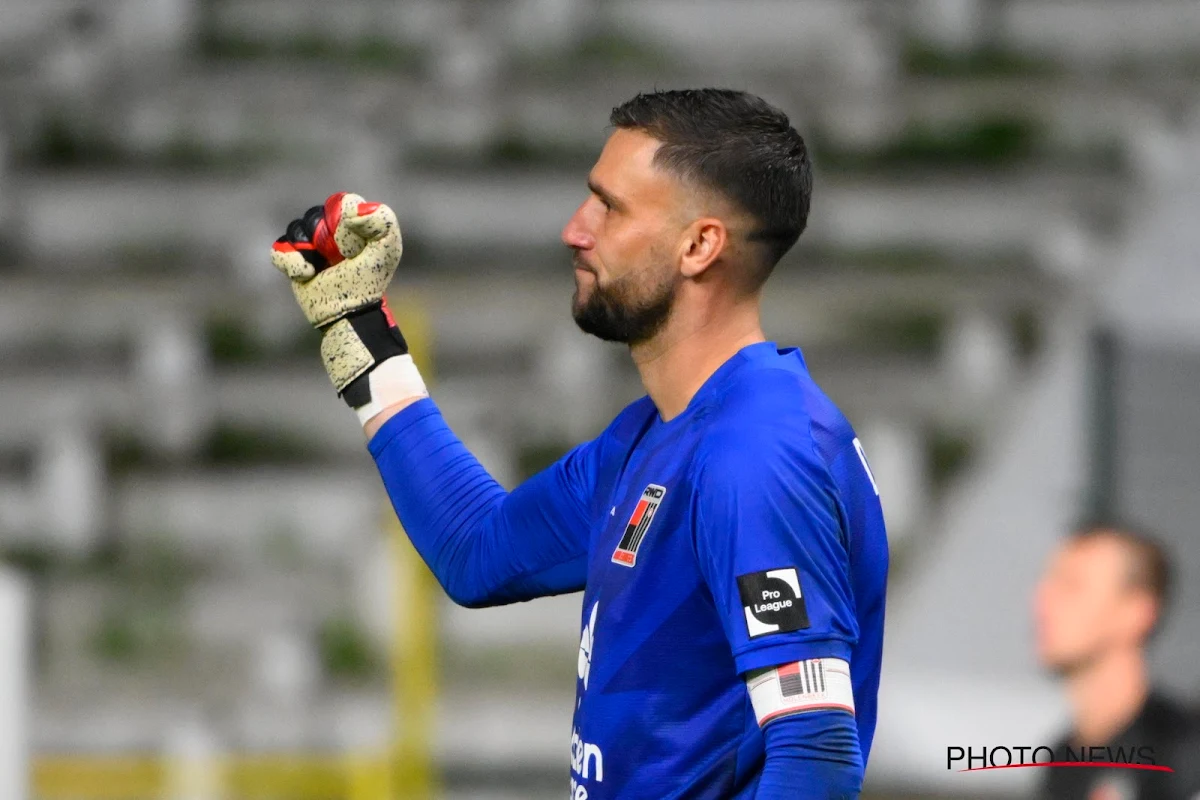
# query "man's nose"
(575, 233)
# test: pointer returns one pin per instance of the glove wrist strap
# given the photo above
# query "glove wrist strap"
(353, 346)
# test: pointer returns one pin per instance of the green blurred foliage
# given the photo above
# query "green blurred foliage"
(346, 652)
(186, 152)
(148, 564)
(948, 453)
(61, 142)
(899, 259)
(156, 566)
(606, 50)
(921, 59)
(509, 148)
(533, 457)
(371, 53)
(985, 141)
(1025, 326)
(227, 444)
(615, 49)
(911, 333)
(229, 341)
(124, 453)
(116, 640)
(35, 559)
(130, 633)
(155, 257)
(144, 581)
(512, 148)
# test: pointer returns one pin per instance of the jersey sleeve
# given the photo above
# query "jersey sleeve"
(770, 544)
(818, 751)
(486, 546)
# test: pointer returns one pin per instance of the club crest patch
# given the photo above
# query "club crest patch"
(639, 523)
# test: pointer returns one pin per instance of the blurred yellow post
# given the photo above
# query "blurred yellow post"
(414, 652)
(368, 777)
(414, 671)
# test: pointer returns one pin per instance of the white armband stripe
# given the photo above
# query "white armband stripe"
(395, 380)
(815, 684)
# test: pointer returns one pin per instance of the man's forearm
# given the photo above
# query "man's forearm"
(484, 545)
(445, 498)
(372, 426)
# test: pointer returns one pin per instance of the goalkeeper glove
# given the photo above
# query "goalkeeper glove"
(340, 258)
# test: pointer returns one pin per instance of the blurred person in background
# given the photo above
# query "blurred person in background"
(725, 529)
(1099, 603)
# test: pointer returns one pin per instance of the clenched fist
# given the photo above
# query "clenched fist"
(360, 239)
(340, 258)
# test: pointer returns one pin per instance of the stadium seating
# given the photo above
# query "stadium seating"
(200, 507)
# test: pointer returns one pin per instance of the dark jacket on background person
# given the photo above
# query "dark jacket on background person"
(1163, 734)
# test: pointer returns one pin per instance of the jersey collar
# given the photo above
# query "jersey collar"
(751, 353)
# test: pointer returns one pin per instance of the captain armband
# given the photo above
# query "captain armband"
(814, 685)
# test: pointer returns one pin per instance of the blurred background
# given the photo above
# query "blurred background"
(204, 597)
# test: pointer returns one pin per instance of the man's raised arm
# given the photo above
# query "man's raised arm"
(485, 545)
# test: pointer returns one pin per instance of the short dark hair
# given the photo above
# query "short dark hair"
(738, 145)
(1149, 563)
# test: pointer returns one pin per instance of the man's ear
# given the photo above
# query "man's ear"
(703, 243)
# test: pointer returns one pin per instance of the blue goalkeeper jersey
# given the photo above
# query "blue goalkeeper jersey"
(759, 484)
(744, 533)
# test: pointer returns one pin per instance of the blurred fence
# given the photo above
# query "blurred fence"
(196, 772)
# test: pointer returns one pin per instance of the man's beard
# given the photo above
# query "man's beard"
(611, 314)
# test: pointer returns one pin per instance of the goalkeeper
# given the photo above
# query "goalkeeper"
(725, 529)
